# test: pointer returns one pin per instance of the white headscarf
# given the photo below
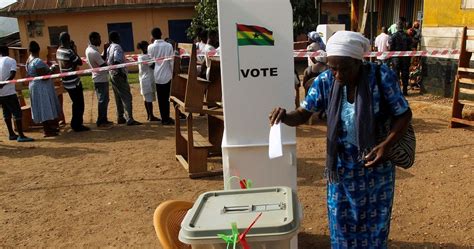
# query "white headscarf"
(313, 35)
(347, 43)
(322, 57)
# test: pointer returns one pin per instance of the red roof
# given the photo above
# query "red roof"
(26, 7)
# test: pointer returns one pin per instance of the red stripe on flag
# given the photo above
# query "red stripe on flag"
(252, 28)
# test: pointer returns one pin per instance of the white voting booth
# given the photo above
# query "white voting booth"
(257, 68)
(257, 75)
(327, 30)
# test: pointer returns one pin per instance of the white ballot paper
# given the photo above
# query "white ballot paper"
(275, 148)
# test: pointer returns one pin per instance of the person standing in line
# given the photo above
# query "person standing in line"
(393, 28)
(101, 80)
(400, 41)
(381, 43)
(163, 73)
(119, 78)
(147, 83)
(202, 40)
(315, 44)
(8, 99)
(44, 101)
(69, 61)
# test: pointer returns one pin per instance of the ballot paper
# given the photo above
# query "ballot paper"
(275, 148)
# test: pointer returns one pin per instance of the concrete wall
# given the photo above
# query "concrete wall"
(81, 24)
(442, 29)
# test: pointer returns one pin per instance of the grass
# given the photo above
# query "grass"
(88, 84)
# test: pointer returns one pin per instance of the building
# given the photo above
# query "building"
(44, 20)
(336, 12)
(369, 16)
(442, 29)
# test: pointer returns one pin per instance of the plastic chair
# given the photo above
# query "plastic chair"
(167, 221)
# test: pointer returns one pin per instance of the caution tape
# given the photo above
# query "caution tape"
(87, 71)
(133, 61)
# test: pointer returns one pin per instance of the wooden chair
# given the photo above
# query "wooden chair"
(26, 119)
(464, 82)
(167, 222)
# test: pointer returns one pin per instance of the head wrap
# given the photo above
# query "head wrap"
(322, 57)
(314, 36)
(347, 43)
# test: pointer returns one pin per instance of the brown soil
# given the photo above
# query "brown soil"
(100, 188)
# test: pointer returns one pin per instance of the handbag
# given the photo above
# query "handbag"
(402, 153)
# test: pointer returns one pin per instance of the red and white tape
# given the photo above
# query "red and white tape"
(87, 71)
(297, 54)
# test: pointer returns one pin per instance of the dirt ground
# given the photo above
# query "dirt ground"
(100, 188)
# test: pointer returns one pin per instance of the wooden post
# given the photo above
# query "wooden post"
(355, 15)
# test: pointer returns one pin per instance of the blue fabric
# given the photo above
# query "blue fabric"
(44, 101)
(360, 205)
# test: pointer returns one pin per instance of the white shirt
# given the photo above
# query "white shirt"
(206, 49)
(200, 45)
(163, 69)
(94, 59)
(381, 42)
(7, 65)
(145, 75)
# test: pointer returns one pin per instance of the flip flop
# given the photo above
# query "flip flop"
(12, 138)
(24, 139)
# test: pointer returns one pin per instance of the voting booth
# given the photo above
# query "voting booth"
(257, 75)
(327, 30)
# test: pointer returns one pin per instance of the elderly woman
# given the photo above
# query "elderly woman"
(358, 97)
(44, 102)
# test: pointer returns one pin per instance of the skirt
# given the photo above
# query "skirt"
(44, 101)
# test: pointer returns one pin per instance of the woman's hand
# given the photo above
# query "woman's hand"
(277, 115)
(377, 155)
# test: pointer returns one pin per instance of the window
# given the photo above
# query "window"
(35, 28)
(467, 4)
(54, 34)
(177, 30)
(126, 34)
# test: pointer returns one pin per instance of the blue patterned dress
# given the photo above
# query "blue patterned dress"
(44, 101)
(360, 205)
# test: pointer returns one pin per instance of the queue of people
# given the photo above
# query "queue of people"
(155, 81)
(399, 37)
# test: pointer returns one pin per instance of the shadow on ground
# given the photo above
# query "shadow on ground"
(314, 241)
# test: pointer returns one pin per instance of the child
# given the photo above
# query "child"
(8, 98)
(147, 84)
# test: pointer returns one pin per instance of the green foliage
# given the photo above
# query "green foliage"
(305, 17)
(88, 84)
(204, 19)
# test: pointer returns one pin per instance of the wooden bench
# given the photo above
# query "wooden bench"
(464, 81)
(188, 93)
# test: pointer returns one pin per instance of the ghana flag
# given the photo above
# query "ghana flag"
(248, 35)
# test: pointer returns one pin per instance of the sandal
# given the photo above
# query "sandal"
(24, 139)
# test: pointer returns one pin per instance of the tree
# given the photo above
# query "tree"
(305, 17)
(204, 19)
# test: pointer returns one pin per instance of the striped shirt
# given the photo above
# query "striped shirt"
(68, 62)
